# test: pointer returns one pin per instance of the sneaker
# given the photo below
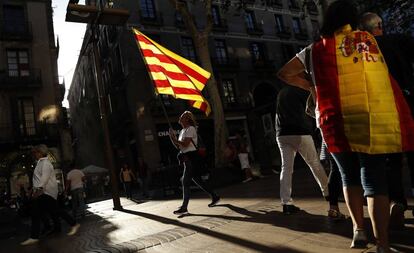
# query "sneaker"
(397, 216)
(214, 201)
(247, 180)
(29, 241)
(359, 241)
(180, 211)
(290, 209)
(336, 215)
(74, 229)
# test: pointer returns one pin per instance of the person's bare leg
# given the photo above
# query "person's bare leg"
(355, 202)
(378, 208)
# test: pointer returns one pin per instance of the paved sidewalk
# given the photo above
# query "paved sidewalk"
(248, 219)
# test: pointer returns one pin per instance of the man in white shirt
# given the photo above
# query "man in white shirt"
(74, 184)
(44, 196)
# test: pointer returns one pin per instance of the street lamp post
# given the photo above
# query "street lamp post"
(98, 15)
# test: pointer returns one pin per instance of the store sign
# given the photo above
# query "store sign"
(166, 133)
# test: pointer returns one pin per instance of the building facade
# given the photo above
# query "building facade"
(247, 47)
(30, 92)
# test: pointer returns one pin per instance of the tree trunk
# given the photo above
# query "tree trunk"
(220, 127)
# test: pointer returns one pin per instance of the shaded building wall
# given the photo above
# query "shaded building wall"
(137, 123)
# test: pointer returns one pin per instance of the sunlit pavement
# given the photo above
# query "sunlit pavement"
(248, 219)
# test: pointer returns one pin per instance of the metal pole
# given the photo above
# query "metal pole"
(104, 121)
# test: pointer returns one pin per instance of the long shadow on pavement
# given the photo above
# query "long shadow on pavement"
(93, 234)
(311, 223)
(245, 243)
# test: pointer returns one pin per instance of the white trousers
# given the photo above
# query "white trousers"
(289, 145)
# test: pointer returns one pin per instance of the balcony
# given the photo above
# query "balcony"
(156, 20)
(225, 63)
(302, 35)
(256, 29)
(284, 32)
(221, 26)
(33, 79)
(17, 32)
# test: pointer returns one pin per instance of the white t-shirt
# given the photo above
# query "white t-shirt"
(190, 132)
(75, 177)
(44, 177)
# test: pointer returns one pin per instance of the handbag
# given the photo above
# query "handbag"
(201, 148)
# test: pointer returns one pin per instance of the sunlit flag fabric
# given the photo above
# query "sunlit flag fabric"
(172, 74)
(361, 107)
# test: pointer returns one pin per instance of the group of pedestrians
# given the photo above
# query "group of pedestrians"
(360, 109)
(44, 199)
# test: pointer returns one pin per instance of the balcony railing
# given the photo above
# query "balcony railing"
(32, 79)
(225, 62)
(284, 32)
(257, 29)
(221, 26)
(156, 20)
(22, 32)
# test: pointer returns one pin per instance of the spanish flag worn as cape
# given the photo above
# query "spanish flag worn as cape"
(361, 107)
(172, 74)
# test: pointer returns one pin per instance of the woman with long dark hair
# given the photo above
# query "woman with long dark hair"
(187, 144)
(361, 112)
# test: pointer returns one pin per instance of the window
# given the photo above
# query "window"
(187, 47)
(221, 51)
(250, 20)
(27, 124)
(148, 9)
(296, 26)
(14, 19)
(257, 51)
(280, 27)
(228, 91)
(215, 12)
(18, 63)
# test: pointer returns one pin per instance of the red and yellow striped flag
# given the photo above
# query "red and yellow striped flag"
(172, 74)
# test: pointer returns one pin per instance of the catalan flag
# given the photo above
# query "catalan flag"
(172, 74)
